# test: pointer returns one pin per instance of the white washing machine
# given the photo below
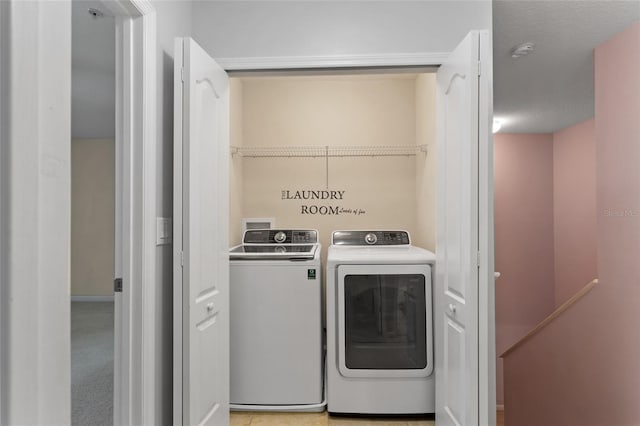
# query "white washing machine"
(276, 344)
(379, 324)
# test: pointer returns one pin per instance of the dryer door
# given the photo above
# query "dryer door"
(385, 321)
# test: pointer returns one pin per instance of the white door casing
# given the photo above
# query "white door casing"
(201, 256)
(136, 394)
(486, 240)
(462, 105)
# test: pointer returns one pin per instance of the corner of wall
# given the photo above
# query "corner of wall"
(235, 162)
(574, 209)
(426, 162)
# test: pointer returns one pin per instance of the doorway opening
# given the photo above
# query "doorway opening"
(464, 224)
(368, 136)
(93, 168)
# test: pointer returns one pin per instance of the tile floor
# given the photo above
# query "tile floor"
(320, 419)
(323, 419)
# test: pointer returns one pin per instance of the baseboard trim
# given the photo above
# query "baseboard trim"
(92, 298)
(500, 407)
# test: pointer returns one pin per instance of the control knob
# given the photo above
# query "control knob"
(370, 238)
(280, 237)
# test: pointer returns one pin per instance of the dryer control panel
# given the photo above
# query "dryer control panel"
(370, 238)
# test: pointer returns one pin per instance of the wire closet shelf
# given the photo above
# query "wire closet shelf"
(328, 151)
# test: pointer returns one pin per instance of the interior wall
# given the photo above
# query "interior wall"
(425, 232)
(570, 174)
(173, 19)
(92, 216)
(371, 192)
(268, 29)
(591, 375)
(235, 163)
(617, 94)
(523, 237)
(618, 155)
(574, 209)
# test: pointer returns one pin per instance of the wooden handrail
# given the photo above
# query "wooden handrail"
(579, 295)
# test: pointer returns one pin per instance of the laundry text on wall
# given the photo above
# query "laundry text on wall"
(319, 208)
(312, 195)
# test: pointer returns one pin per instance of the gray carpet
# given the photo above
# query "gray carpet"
(91, 363)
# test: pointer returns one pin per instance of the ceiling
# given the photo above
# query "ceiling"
(553, 87)
(548, 90)
(93, 73)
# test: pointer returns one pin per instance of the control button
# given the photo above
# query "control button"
(370, 238)
(280, 237)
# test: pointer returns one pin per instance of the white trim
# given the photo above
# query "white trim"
(119, 395)
(35, 212)
(136, 396)
(486, 271)
(333, 61)
(91, 299)
(5, 84)
(122, 358)
(177, 236)
(150, 325)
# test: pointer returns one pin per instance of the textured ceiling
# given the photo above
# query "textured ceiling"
(92, 73)
(552, 88)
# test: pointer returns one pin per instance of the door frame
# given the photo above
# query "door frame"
(35, 237)
(135, 243)
(486, 243)
(243, 66)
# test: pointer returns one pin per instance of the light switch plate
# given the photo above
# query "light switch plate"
(164, 231)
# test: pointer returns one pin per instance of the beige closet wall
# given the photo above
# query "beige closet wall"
(377, 110)
(235, 164)
(425, 235)
(92, 217)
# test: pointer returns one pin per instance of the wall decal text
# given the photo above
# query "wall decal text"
(329, 209)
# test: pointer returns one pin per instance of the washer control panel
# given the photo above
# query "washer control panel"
(370, 238)
(280, 236)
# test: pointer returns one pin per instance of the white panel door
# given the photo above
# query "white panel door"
(201, 257)
(460, 110)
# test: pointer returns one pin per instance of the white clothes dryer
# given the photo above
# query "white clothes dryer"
(379, 324)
